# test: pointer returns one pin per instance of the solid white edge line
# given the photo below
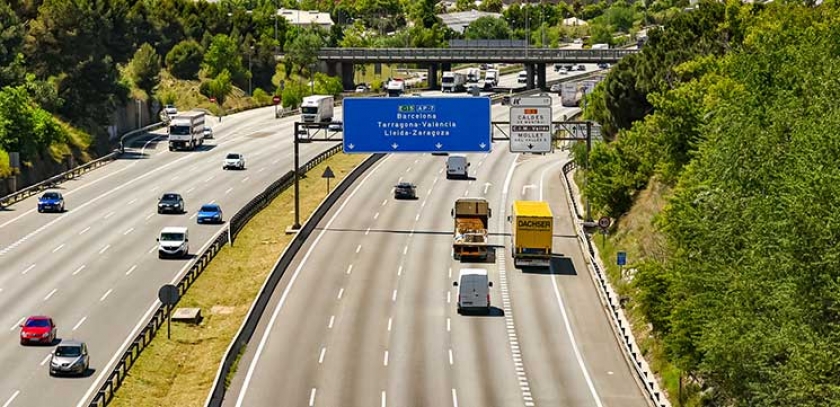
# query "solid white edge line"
(11, 399)
(578, 356)
(252, 367)
(108, 368)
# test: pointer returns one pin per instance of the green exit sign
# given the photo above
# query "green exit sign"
(406, 108)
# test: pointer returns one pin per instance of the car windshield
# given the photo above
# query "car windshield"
(209, 208)
(169, 197)
(37, 323)
(70, 351)
(51, 195)
(172, 237)
(233, 156)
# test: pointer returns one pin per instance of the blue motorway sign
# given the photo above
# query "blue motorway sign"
(621, 258)
(417, 125)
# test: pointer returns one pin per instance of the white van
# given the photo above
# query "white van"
(173, 242)
(456, 166)
(473, 290)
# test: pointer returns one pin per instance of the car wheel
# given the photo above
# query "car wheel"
(40, 210)
(159, 211)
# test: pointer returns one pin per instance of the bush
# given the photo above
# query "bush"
(261, 97)
(184, 60)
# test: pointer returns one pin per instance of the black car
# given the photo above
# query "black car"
(171, 203)
(405, 190)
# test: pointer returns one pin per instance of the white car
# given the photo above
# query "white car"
(563, 71)
(234, 160)
(170, 110)
(361, 89)
(208, 133)
(336, 126)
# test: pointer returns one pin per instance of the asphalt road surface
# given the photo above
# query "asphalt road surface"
(94, 269)
(366, 314)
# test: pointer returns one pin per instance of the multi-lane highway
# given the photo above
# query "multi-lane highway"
(94, 269)
(366, 314)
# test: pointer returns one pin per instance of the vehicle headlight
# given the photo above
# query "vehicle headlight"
(54, 363)
(45, 334)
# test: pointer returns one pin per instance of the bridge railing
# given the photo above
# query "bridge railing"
(475, 54)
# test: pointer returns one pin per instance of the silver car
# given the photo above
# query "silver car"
(70, 357)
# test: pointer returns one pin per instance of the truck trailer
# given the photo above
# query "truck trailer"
(395, 88)
(317, 109)
(491, 78)
(472, 216)
(186, 130)
(453, 82)
(532, 233)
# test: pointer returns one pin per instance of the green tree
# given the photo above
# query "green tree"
(218, 87)
(11, 46)
(465, 5)
(423, 13)
(144, 69)
(184, 60)
(302, 53)
(327, 85)
(492, 6)
(488, 27)
(355, 36)
(224, 55)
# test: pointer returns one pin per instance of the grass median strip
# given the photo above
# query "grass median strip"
(180, 371)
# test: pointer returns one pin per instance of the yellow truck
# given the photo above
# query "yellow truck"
(532, 231)
(470, 233)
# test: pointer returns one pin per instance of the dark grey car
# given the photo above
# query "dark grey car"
(70, 357)
(171, 203)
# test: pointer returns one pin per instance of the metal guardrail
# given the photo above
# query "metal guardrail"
(157, 320)
(621, 325)
(73, 172)
(514, 55)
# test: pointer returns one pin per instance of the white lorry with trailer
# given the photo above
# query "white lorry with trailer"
(453, 82)
(600, 46)
(317, 109)
(491, 78)
(395, 88)
(186, 130)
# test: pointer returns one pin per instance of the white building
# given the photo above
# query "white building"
(306, 18)
(573, 22)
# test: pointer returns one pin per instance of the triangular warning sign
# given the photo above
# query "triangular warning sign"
(328, 173)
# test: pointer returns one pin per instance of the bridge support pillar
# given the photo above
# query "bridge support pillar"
(332, 68)
(529, 69)
(541, 83)
(347, 75)
(432, 76)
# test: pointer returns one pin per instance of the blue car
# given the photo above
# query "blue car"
(51, 202)
(209, 213)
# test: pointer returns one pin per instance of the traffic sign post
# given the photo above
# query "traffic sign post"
(530, 124)
(621, 260)
(417, 125)
(276, 100)
(328, 173)
(169, 296)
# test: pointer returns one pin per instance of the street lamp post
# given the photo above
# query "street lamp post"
(250, 73)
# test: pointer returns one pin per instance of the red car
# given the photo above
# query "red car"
(38, 329)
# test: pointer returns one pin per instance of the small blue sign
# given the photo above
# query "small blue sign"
(417, 125)
(622, 258)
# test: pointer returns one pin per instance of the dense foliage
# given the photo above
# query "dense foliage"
(743, 123)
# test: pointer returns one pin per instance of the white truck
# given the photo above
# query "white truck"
(600, 46)
(453, 81)
(395, 88)
(571, 94)
(473, 75)
(186, 130)
(491, 78)
(317, 109)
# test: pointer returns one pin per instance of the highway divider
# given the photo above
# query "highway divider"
(157, 320)
(611, 300)
(258, 307)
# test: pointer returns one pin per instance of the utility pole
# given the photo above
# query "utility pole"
(250, 72)
(276, 43)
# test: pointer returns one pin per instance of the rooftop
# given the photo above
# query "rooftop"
(306, 17)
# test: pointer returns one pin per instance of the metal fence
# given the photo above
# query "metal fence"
(157, 320)
(478, 55)
(621, 326)
(455, 43)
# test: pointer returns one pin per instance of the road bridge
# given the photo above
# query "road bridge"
(341, 61)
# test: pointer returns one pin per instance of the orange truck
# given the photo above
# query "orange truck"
(472, 216)
(532, 232)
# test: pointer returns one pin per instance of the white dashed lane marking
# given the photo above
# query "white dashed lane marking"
(50, 294)
(78, 324)
(61, 246)
(28, 269)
